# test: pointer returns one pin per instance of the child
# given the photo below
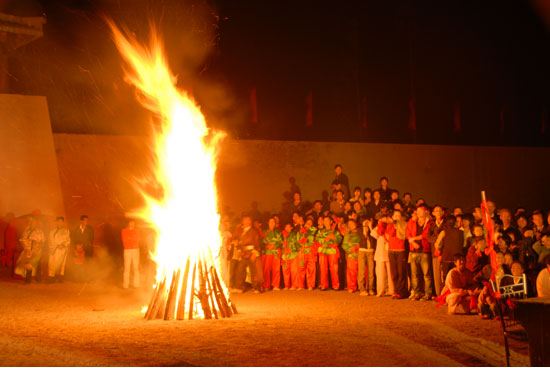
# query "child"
(78, 261)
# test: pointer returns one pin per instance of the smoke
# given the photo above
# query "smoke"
(78, 68)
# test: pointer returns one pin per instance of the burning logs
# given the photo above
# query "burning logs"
(202, 296)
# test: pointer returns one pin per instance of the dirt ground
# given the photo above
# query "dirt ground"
(73, 324)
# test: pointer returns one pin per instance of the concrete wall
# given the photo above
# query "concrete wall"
(29, 176)
(97, 172)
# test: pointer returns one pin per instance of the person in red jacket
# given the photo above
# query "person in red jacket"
(328, 239)
(130, 241)
(420, 253)
(271, 256)
(396, 232)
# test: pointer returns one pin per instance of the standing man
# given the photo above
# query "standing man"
(84, 234)
(248, 245)
(396, 231)
(420, 253)
(341, 181)
(32, 241)
(435, 228)
(130, 242)
(10, 241)
(58, 241)
(385, 191)
(365, 267)
(450, 242)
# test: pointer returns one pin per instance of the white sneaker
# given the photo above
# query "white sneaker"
(276, 289)
(363, 293)
(292, 288)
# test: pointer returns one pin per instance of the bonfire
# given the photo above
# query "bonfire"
(187, 285)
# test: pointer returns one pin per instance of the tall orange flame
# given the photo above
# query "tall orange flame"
(185, 154)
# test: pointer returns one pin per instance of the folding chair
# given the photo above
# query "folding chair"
(505, 291)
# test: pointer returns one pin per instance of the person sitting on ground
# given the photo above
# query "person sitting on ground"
(543, 280)
(459, 287)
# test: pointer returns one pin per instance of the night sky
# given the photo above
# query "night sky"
(359, 59)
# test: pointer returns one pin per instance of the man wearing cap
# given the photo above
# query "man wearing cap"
(58, 242)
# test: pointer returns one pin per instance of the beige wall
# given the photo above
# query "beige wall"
(97, 171)
(29, 176)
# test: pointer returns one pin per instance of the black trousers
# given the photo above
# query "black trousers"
(398, 269)
(240, 276)
(445, 268)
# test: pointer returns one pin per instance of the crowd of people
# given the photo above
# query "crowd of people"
(374, 242)
(379, 243)
(40, 254)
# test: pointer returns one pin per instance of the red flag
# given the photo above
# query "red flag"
(490, 227)
(501, 126)
(456, 118)
(253, 106)
(309, 110)
(364, 112)
(544, 118)
(412, 115)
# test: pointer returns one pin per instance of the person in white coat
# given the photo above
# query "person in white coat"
(384, 282)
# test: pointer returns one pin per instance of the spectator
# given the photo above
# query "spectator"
(436, 227)
(397, 254)
(420, 253)
(337, 207)
(328, 239)
(478, 215)
(407, 203)
(130, 242)
(59, 241)
(350, 245)
(341, 181)
(450, 242)
(249, 249)
(374, 207)
(543, 280)
(542, 248)
(357, 196)
(384, 283)
(506, 217)
(316, 211)
(385, 191)
(10, 241)
(538, 224)
(459, 286)
(476, 258)
(521, 222)
(367, 197)
(84, 235)
(365, 276)
(32, 241)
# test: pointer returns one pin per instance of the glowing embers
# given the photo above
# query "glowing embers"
(186, 216)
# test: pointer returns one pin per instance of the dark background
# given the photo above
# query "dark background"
(487, 57)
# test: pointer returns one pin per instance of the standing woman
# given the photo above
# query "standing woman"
(329, 238)
(384, 282)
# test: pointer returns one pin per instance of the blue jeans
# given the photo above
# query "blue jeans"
(421, 262)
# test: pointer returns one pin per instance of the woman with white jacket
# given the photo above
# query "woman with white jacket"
(384, 282)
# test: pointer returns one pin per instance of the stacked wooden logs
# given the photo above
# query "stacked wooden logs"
(170, 301)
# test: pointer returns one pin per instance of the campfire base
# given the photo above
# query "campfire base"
(175, 302)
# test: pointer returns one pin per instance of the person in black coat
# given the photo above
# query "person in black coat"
(450, 242)
(84, 234)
